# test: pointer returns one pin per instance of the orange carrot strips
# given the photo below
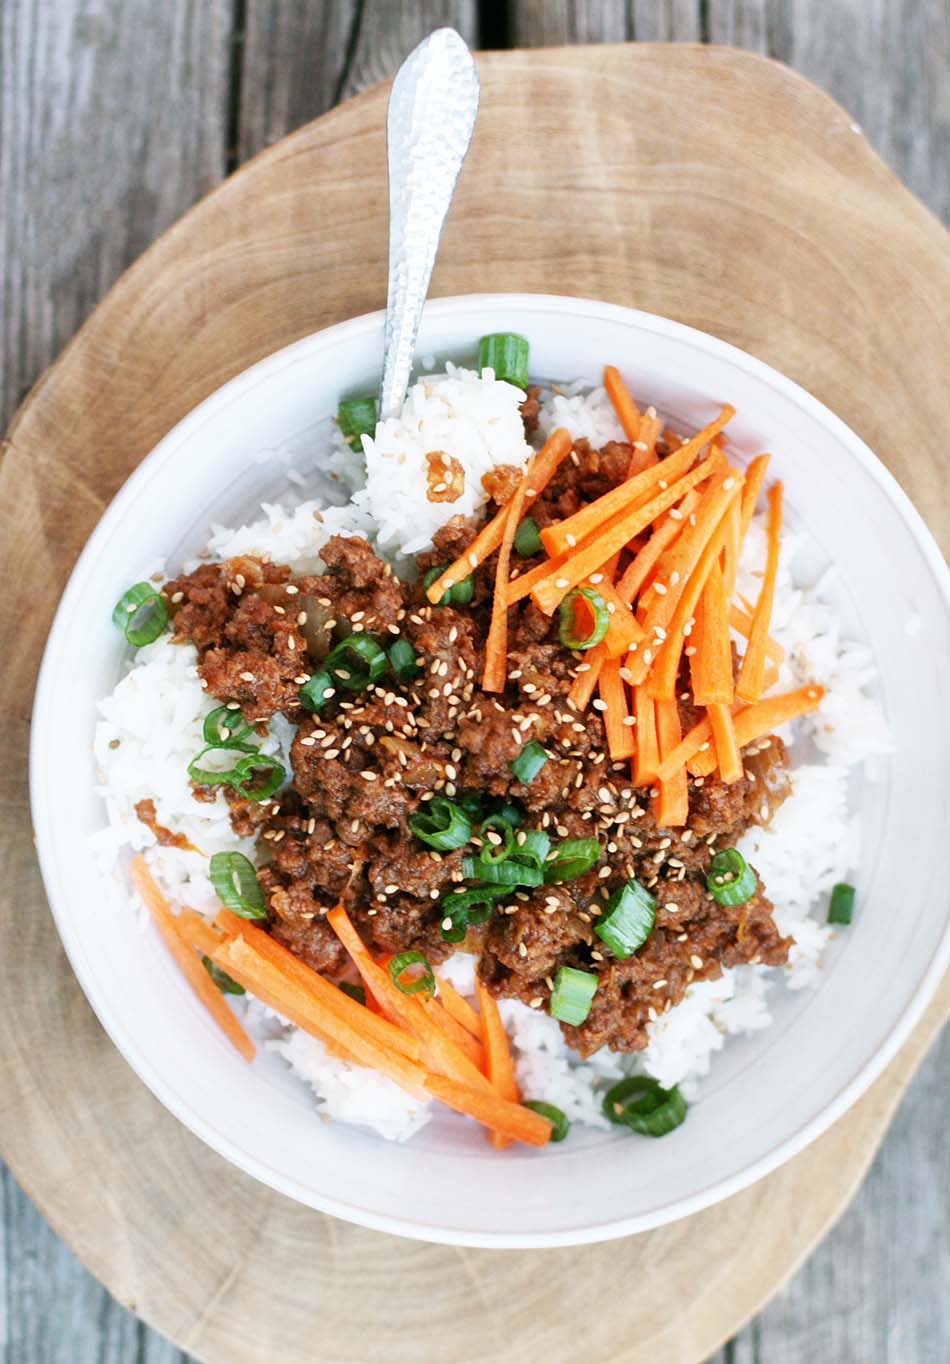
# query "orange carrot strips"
(488, 1107)
(458, 1006)
(671, 806)
(189, 965)
(642, 565)
(691, 744)
(463, 1039)
(644, 447)
(647, 756)
(724, 738)
(495, 675)
(522, 585)
(623, 628)
(733, 546)
(751, 680)
(589, 557)
(759, 719)
(197, 931)
(613, 694)
(628, 414)
(741, 622)
(542, 467)
(711, 665)
(754, 478)
(501, 1067)
(585, 680)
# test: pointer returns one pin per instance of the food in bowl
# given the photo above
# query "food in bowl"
(473, 783)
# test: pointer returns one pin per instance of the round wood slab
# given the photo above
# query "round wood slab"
(702, 183)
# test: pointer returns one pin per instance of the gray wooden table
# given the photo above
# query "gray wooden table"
(115, 116)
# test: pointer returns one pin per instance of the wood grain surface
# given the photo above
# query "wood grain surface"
(26, 1337)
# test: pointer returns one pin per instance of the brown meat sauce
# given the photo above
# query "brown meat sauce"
(366, 763)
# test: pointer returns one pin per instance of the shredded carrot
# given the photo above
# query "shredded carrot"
(671, 805)
(197, 931)
(628, 414)
(495, 675)
(711, 665)
(755, 721)
(724, 738)
(751, 680)
(754, 478)
(614, 696)
(691, 744)
(458, 1006)
(463, 1039)
(741, 622)
(588, 558)
(522, 585)
(644, 447)
(543, 466)
(501, 1067)
(623, 628)
(585, 679)
(186, 960)
(643, 563)
(647, 756)
(732, 549)
(488, 1107)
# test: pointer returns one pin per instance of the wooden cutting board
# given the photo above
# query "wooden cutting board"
(703, 183)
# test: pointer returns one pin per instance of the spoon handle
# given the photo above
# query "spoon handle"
(432, 111)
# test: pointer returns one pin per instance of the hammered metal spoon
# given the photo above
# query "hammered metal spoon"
(432, 111)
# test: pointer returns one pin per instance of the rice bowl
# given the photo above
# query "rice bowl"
(739, 1005)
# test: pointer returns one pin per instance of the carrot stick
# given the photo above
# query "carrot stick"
(542, 466)
(691, 744)
(671, 806)
(488, 1107)
(589, 557)
(759, 719)
(501, 1067)
(711, 665)
(754, 478)
(458, 1006)
(644, 447)
(613, 694)
(495, 675)
(640, 567)
(197, 931)
(463, 1039)
(733, 546)
(522, 585)
(751, 680)
(189, 965)
(741, 622)
(647, 756)
(585, 682)
(724, 738)
(628, 414)
(632, 492)
(623, 628)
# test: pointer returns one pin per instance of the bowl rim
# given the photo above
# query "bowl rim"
(151, 466)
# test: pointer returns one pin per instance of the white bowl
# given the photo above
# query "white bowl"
(767, 1096)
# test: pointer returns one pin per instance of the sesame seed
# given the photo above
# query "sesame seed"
(658, 984)
(571, 539)
(247, 677)
(659, 589)
(291, 590)
(535, 1003)
(561, 582)
(729, 483)
(598, 704)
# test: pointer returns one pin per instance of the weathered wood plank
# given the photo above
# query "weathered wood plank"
(112, 122)
(300, 58)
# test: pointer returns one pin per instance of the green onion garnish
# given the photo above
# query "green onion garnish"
(731, 881)
(511, 872)
(317, 689)
(841, 904)
(459, 594)
(499, 826)
(528, 538)
(628, 919)
(532, 847)
(356, 417)
(225, 984)
(570, 631)
(354, 991)
(560, 1126)
(529, 762)
(473, 805)
(236, 885)
(213, 776)
(571, 857)
(402, 660)
(441, 824)
(460, 909)
(507, 354)
(225, 728)
(572, 995)
(508, 811)
(141, 614)
(417, 984)
(355, 663)
(641, 1103)
(257, 776)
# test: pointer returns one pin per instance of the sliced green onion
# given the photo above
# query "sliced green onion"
(532, 847)
(402, 660)
(236, 885)
(529, 762)
(570, 632)
(354, 991)
(226, 728)
(461, 909)
(841, 905)
(317, 689)
(571, 857)
(507, 354)
(213, 776)
(560, 1126)
(572, 995)
(731, 881)
(356, 662)
(509, 812)
(357, 417)
(493, 852)
(225, 984)
(641, 1103)
(441, 824)
(628, 920)
(507, 873)
(459, 594)
(417, 984)
(528, 538)
(141, 614)
(247, 780)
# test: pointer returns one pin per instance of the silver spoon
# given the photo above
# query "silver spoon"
(432, 111)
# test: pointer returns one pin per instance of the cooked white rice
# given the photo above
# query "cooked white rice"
(151, 728)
